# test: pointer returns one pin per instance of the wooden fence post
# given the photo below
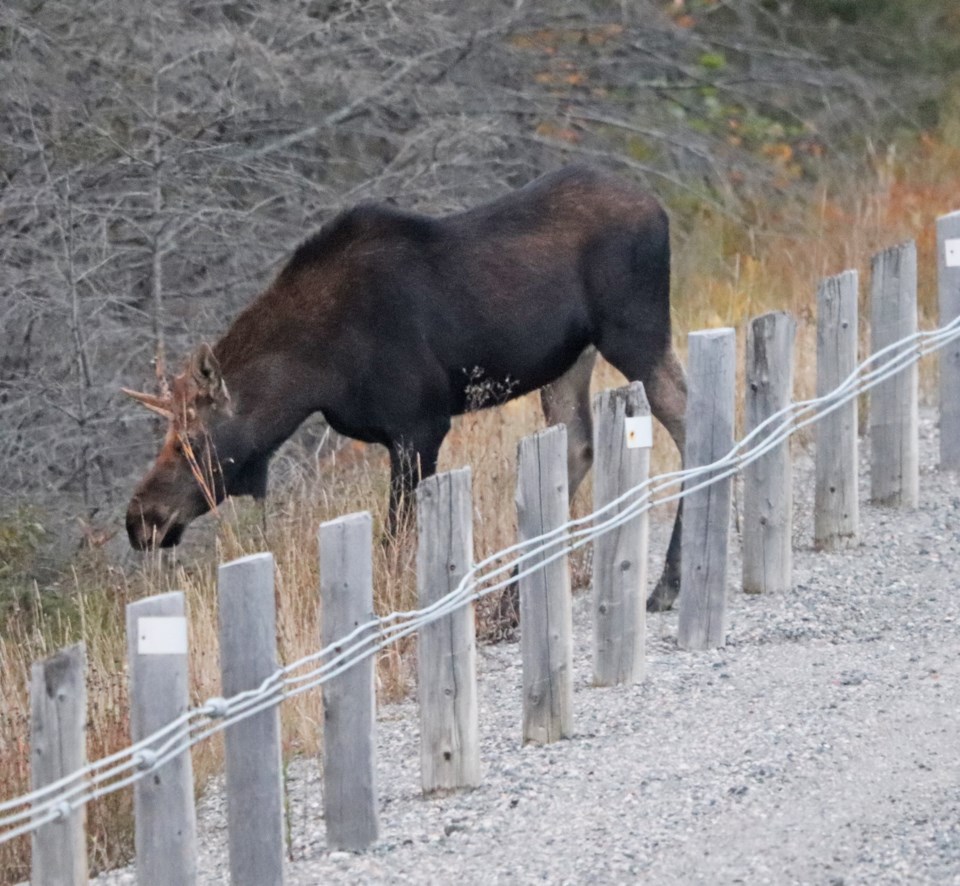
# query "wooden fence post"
(447, 647)
(165, 834)
(248, 655)
(836, 519)
(546, 644)
(948, 284)
(894, 419)
(621, 462)
(58, 746)
(349, 701)
(768, 481)
(706, 512)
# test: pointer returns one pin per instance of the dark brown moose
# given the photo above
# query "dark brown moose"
(389, 323)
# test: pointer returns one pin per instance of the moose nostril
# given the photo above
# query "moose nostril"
(145, 526)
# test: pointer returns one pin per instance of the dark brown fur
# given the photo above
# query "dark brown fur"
(390, 322)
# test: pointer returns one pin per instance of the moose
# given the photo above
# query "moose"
(390, 322)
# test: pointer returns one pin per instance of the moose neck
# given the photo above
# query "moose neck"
(272, 387)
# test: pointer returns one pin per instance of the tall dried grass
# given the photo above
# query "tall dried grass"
(725, 273)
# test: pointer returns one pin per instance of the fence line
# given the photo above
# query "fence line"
(252, 749)
(449, 714)
(58, 747)
(836, 500)
(130, 765)
(546, 641)
(948, 301)
(349, 699)
(894, 463)
(767, 535)
(706, 519)
(165, 823)
(620, 558)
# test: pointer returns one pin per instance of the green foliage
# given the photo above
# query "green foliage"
(713, 61)
(900, 35)
(642, 149)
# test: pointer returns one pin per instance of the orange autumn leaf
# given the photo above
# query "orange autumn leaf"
(779, 151)
(599, 36)
(547, 129)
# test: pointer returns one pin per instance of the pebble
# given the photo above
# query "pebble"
(819, 746)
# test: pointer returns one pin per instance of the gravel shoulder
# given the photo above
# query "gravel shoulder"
(819, 746)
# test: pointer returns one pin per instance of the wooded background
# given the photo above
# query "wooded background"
(159, 161)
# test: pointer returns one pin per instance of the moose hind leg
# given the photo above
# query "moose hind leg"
(567, 401)
(666, 387)
(667, 393)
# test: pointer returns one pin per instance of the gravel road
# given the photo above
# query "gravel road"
(819, 746)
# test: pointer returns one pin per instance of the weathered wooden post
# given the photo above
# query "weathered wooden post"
(546, 645)
(948, 284)
(706, 512)
(165, 834)
(768, 481)
(58, 746)
(349, 700)
(622, 443)
(447, 647)
(836, 519)
(894, 417)
(248, 655)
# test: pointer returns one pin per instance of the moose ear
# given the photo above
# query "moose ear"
(205, 370)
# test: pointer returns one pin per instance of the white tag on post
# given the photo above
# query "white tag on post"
(162, 635)
(951, 252)
(639, 431)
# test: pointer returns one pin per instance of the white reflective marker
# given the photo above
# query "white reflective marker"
(162, 635)
(639, 431)
(951, 252)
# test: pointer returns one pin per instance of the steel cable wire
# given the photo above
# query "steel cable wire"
(124, 767)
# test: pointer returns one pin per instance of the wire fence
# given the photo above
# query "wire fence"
(55, 801)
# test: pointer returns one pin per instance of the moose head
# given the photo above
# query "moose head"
(193, 471)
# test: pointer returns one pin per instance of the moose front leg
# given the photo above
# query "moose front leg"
(411, 459)
(405, 473)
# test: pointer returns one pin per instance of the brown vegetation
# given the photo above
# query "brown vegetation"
(136, 218)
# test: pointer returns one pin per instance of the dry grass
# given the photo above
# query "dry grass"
(725, 273)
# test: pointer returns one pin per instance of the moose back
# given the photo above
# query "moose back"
(389, 323)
